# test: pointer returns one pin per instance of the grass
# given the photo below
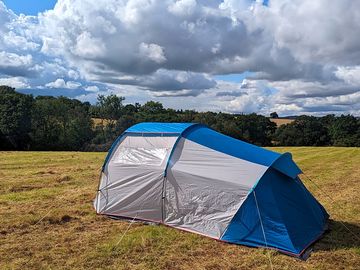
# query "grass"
(47, 220)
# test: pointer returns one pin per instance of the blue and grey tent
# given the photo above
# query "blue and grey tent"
(193, 178)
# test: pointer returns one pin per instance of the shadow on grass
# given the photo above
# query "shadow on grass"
(339, 237)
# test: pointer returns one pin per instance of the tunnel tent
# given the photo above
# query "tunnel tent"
(193, 178)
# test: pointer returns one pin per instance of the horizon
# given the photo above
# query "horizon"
(294, 116)
(230, 56)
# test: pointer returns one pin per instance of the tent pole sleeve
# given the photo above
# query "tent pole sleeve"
(176, 143)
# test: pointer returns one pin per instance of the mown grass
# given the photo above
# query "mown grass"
(47, 220)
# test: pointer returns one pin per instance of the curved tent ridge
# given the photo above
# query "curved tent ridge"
(157, 127)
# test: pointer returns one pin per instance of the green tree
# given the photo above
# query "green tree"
(110, 107)
(60, 124)
(152, 107)
(206, 118)
(255, 129)
(304, 131)
(345, 130)
(187, 115)
(15, 118)
(153, 111)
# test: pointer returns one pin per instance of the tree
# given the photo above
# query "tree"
(206, 118)
(345, 131)
(274, 115)
(153, 111)
(15, 119)
(187, 115)
(304, 131)
(60, 124)
(152, 107)
(255, 129)
(110, 107)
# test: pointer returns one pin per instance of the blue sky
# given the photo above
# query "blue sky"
(236, 78)
(29, 7)
(237, 56)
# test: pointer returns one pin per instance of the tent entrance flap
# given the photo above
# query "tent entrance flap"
(132, 185)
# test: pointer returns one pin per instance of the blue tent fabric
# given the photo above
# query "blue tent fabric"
(153, 127)
(291, 217)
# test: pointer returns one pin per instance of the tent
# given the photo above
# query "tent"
(193, 178)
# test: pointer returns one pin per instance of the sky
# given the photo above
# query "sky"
(236, 56)
(32, 7)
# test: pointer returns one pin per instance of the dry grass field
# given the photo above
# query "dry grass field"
(99, 121)
(47, 220)
(281, 121)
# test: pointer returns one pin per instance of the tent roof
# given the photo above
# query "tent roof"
(210, 138)
(154, 127)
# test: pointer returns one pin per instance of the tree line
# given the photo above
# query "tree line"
(60, 123)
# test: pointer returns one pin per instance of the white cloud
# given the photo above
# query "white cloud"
(92, 88)
(249, 96)
(182, 7)
(350, 75)
(16, 41)
(88, 47)
(16, 82)
(152, 51)
(73, 74)
(10, 60)
(60, 83)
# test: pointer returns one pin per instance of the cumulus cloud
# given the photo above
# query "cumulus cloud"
(13, 60)
(303, 55)
(92, 88)
(14, 64)
(16, 82)
(253, 96)
(60, 83)
(351, 75)
(182, 7)
(165, 80)
(153, 52)
(88, 47)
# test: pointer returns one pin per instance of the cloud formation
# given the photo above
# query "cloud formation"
(303, 55)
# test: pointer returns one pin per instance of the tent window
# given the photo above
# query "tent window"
(145, 151)
(140, 156)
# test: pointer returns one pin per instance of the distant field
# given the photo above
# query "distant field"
(47, 220)
(100, 121)
(281, 121)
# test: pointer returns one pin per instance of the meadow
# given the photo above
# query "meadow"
(47, 220)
